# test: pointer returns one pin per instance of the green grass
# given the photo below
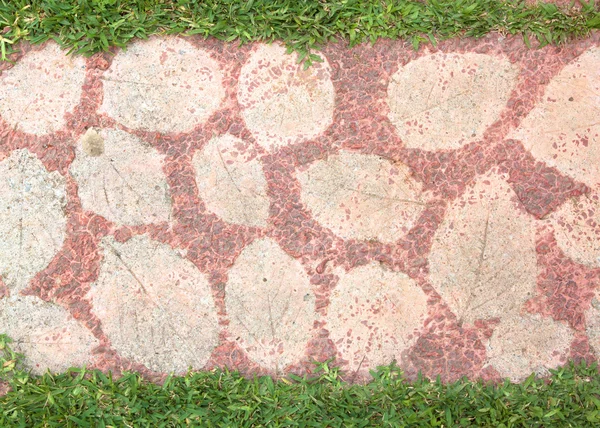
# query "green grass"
(81, 398)
(89, 26)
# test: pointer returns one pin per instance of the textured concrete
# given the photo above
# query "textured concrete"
(194, 203)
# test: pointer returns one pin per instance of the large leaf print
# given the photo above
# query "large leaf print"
(32, 218)
(156, 307)
(483, 260)
(270, 304)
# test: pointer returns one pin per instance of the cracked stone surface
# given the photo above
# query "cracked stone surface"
(192, 202)
(32, 218)
(156, 307)
(362, 196)
(120, 177)
(40, 89)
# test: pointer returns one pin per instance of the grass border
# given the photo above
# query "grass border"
(90, 398)
(90, 26)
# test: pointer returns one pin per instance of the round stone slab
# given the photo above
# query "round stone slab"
(362, 196)
(231, 181)
(522, 345)
(270, 304)
(37, 92)
(162, 84)
(32, 218)
(577, 228)
(444, 101)
(374, 315)
(281, 102)
(156, 307)
(563, 130)
(120, 177)
(483, 261)
(45, 333)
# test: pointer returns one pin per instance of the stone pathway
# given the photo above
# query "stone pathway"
(190, 203)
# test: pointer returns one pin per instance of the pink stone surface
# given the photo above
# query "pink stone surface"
(374, 315)
(40, 89)
(281, 216)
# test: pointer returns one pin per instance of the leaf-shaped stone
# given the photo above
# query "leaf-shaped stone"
(444, 101)
(521, 345)
(120, 177)
(563, 130)
(483, 260)
(32, 219)
(44, 85)
(231, 181)
(156, 307)
(45, 333)
(283, 103)
(374, 315)
(162, 84)
(270, 304)
(362, 196)
(577, 228)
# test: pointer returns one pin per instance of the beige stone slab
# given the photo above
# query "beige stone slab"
(563, 130)
(444, 101)
(45, 333)
(483, 260)
(162, 84)
(374, 315)
(37, 92)
(281, 102)
(231, 181)
(362, 196)
(155, 306)
(32, 218)
(270, 305)
(592, 323)
(120, 177)
(576, 225)
(527, 344)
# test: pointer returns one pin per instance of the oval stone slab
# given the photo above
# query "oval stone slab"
(231, 181)
(270, 304)
(32, 218)
(45, 333)
(576, 226)
(563, 130)
(374, 315)
(162, 84)
(362, 196)
(444, 101)
(527, 344)
(37, 92)
(156, 307)
(281, 102)
(483, 260)
(120, 177)
(592, 323)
